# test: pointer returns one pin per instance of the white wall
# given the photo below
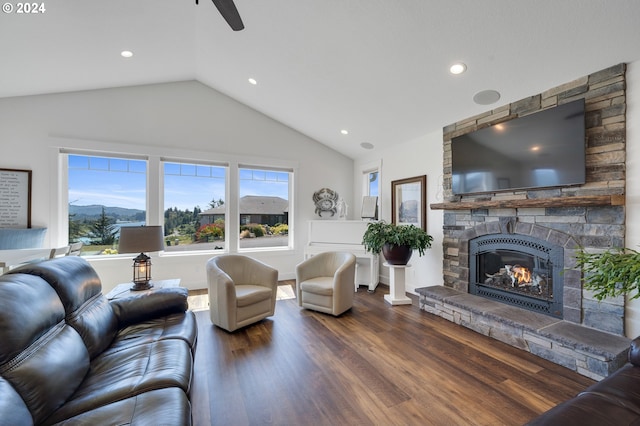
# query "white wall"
(422, 156)
(184, 117)
(632, 238)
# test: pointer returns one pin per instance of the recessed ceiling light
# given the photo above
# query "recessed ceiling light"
(126, 53)
(253, 81)
(457, 68)
(366, 145)
(344, 132)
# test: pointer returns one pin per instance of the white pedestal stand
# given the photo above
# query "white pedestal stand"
(397, 294)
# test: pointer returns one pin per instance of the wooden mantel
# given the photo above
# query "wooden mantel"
(575, 201)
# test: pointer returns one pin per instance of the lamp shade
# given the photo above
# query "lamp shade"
(140, 239)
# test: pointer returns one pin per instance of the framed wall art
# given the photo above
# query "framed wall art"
(15, 198)
(408, 198)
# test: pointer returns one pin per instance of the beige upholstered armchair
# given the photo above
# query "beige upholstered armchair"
(325, 282)
(242, 291)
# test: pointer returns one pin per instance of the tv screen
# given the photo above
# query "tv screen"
(544, 149)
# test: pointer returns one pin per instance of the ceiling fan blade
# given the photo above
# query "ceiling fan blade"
(230, 14)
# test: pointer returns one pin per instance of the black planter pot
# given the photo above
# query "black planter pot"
(397, 255)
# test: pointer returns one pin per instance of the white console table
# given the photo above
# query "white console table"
(397, 295)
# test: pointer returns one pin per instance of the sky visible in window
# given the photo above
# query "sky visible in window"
(109, 182)
(116, 182)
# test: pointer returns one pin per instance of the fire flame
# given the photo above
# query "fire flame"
(522, 274)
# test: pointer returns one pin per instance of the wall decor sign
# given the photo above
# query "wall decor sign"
(15, 198)
(408, 198)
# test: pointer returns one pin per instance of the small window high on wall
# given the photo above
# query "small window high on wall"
(373, 183)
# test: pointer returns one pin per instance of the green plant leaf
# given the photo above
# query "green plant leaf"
(380, 233)
(611, 273)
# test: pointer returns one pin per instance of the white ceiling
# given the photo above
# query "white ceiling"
(377, 68)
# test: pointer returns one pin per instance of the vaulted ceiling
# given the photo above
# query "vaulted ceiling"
(377, 68)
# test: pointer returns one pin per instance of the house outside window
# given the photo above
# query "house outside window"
(190, 189)
(263, 207)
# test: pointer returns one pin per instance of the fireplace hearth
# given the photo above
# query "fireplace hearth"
(519, 270)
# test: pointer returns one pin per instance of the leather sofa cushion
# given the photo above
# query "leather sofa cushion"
(13, 410)
(30, 309)
(37, 345)
(587, 409)
(620, 388)
(615, 397)
(72, 277)
(634, 352)
(168, 406)
(176, 326)
(132, 371)
(80, 290)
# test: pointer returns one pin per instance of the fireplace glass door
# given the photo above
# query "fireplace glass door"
(519, 270)
(516, 272)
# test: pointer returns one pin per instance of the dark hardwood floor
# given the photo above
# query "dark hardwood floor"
(374, 365)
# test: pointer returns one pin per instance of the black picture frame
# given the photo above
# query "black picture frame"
(15, 198)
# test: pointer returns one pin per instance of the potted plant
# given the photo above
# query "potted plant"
(396, 242)
(611, 273)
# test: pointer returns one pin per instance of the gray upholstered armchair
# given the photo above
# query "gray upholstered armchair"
(242, 291)
(325, 282)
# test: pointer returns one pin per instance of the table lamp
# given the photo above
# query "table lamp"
(141, 239)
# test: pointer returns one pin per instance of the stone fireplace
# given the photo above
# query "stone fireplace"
(491, 239)
(551, 252)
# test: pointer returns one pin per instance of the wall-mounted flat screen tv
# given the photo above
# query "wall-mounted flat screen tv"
(544, 149)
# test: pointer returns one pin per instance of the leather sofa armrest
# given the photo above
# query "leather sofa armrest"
(142, 307)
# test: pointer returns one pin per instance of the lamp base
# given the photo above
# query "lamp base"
(141, 286)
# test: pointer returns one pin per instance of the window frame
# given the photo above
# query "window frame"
(225, 165)
(290, 220)
(155, 187)
(365, 170)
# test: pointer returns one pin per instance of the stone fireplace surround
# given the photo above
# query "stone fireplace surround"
(590, 336)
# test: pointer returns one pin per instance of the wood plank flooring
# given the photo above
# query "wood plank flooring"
(375, 365)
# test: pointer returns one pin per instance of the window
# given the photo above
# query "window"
(370, 190)
(105, 193)
(372, 183)
(194, 206)
(263, 207)
(192, 199)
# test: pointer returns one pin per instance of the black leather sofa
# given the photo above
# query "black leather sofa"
(615, 400)
(70, 356)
